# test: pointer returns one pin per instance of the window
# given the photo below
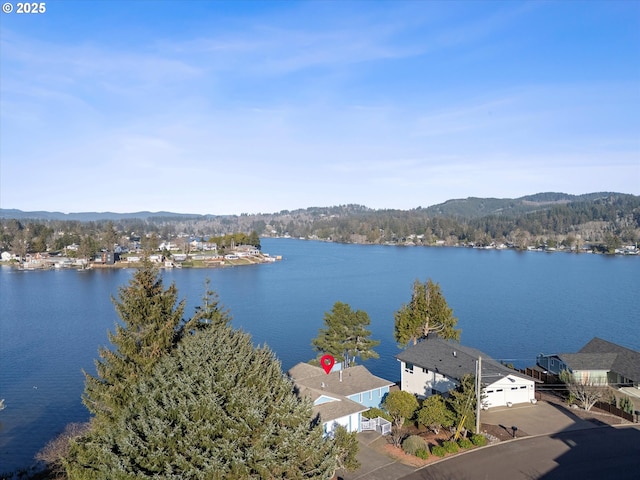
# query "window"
(408, 367)
(425, 370)
(514, 388)
(489, 391)
(553, 362)
(499, 390)
(523, 386)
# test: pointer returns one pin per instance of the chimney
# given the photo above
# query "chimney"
(455, 354)
(340, 375)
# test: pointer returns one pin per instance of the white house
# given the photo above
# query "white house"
(340, 397)
(435, 366)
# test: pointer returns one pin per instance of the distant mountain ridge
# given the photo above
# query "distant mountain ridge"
(474, 207)
(467, 208)
(92, 216)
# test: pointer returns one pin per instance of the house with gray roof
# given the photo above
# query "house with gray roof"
(341, 396)
(599, 361)
(436, 366)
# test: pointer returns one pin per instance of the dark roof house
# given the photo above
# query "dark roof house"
(618, 364)
(436, 366)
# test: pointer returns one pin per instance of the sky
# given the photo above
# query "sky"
(218, 107)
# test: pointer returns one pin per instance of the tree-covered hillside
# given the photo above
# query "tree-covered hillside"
(601, 220)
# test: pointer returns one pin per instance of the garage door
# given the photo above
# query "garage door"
(494, 397)
(518, 394)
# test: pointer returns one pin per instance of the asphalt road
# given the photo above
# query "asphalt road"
(594, 453)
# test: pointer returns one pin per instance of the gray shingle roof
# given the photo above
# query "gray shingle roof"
(454, 360)
(588, 361)
(626, 362)
(313, 382)
(354, 379)
(340, 407)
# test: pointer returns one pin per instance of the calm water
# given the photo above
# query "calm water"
(510, 305)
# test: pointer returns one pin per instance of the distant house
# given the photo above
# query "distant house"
(340, 397)
(246, 250)
(436, 366)
(600, 361)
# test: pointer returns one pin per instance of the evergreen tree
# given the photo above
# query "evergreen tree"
(346, 447)
(151, 326)
(626, 404)
(345, 336)
(463, 403)
(427, 312)
(400, 405)
(215, 408)
(434, 414)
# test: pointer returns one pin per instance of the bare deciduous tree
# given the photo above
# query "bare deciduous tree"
(586, 390)
(57, 449)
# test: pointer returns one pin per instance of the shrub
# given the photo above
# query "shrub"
(626, 405)
(465, 443)
(438, 451)
(422, 453)
(479, 440)
(450, 446)
(376, 412)
(413, 443)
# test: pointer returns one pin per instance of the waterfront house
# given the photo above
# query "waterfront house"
(599, 361)
(436, 366)
(340, 397)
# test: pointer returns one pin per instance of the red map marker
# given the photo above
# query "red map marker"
(327, 362)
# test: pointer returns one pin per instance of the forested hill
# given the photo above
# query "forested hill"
(606, 220)
(472, 207)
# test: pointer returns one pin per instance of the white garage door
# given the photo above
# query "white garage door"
(494, 397)
(517, 394)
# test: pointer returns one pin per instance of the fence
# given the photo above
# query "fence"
(612, 409)
(379, 424)
(542, 376)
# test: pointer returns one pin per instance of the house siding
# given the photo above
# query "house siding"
(350, 422)
(596, 377)
(423, 382)
(370, 398)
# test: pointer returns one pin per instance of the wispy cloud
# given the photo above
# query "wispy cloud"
(302, 105)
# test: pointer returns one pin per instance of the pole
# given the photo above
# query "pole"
(478, 392)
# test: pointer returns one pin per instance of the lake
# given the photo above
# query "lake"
(511, 305)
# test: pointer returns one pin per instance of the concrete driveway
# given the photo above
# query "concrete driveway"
(538, 419)
(373, 464)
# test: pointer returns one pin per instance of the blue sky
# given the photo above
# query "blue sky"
(230, 107)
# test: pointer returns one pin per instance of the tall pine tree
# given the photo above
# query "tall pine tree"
(427, 312)
(151, 326)
(216, 408)
(345, 335)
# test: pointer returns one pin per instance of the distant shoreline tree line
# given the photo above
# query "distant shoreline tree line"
(605, 221)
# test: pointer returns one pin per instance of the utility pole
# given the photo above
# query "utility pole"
(478, 392)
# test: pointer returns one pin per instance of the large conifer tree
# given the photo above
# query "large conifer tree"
(345, 335)
(427, 312)
(216, 408)
(150, 328)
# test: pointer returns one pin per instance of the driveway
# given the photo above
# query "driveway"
(541, 418)
(589, 454)
(373, 464)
